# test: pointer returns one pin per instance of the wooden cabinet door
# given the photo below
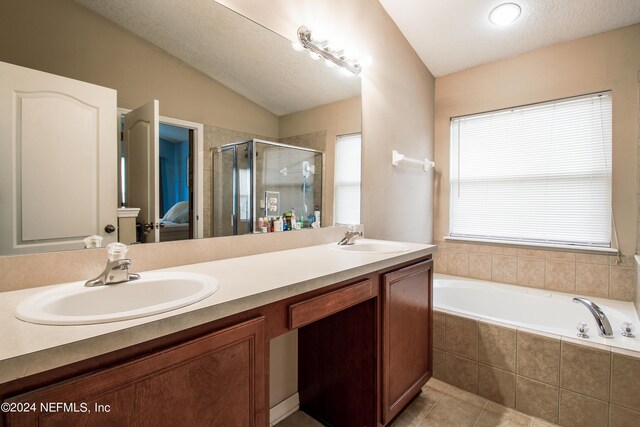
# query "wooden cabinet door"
(215, 380)
(406, 336)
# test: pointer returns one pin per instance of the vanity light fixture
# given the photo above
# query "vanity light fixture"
(321, 49)
(505, 14)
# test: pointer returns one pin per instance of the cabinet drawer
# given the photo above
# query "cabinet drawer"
(316, 308)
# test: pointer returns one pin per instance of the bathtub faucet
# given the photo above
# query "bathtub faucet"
(604, 327)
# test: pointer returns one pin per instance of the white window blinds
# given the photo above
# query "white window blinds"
(538, 174)
(346, 196)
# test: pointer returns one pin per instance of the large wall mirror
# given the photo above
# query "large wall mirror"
(244, 120)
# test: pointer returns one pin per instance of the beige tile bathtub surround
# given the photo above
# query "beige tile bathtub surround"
(461, 336)
(577, 410)
(605, 61)
(573, 272)
(537, 399)
(586, 370)
(497, 346)
(28, 271)
(557, 379)
(538, 358)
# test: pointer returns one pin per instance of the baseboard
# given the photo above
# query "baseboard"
(283, 409)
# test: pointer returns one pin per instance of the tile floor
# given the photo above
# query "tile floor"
(442, 405)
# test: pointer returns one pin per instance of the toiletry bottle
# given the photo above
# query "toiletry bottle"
(277, 224)
(294, 220)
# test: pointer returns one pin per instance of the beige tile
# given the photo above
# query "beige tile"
(401, 421)
(437, 385)
(497, 346)
(438, 329)
(504, 268)
(461, 336)
(423, 403)
(561, 255)
(299, 419)
(532, 253)
(480, 266)
(585, 370)
(538, 357)
(625, 387)
(592, 259)
(577, 410)
(537, 422)
(485, 249)
(495, 415)
(592, 279)
(531, 272)
(441, 261)
(625, 260)
(439, 364)
(537, 399)
(622, 283)
(561, 276)
(458, 263)
(497, 385)
(461, 373)
(623, 417)
(458, 246)
(505, 250)
(455, 408)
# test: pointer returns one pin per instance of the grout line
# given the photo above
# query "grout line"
(484, 408)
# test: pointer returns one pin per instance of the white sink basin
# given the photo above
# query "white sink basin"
(76, 304)
(368, 246)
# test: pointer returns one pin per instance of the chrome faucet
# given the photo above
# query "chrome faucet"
(350, 237)
(117, 269)
(604, 327)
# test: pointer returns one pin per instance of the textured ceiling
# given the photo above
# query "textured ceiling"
(237, 52)
(451, 35)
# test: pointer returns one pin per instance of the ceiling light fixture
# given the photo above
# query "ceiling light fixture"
(321, 48)
(505, 14)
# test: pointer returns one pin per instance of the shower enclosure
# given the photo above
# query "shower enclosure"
(262, 179)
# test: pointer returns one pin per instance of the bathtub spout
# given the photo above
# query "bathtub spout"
(604, 327)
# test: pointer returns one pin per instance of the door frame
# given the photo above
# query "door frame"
(198, 165)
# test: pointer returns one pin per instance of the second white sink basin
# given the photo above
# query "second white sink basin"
(368, 246)
(153, 293)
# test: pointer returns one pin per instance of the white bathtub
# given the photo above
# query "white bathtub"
(536, 309)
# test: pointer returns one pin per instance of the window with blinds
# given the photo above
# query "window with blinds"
(535, 174)
(346, 191)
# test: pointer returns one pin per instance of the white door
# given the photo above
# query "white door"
(58, 165)
(141, 145)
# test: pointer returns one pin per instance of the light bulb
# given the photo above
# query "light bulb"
(297, 46)
(505, 14)
(314, 55)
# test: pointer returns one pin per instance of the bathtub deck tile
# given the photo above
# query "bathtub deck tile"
(586, 342)
(538, 357)
(577, 410)
(586, 371)
(461, 336)
(623, 417)
(497, 385)
(537, 399)
(625, 387)
(461, 373)
(497, 346)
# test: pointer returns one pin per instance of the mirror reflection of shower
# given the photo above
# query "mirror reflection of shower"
(263, 186)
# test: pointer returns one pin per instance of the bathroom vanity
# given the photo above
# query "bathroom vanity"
(364, 344)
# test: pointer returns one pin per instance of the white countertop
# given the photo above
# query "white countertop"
(245, 283)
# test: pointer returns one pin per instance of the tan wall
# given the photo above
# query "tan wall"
(605, 61)
(397, 106)
(64, 38)
(338, 118)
